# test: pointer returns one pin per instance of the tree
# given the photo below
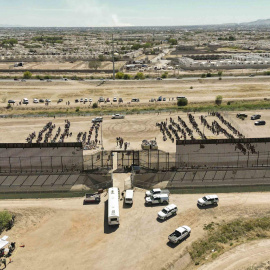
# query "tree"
(119, 75)
(95, 105)
(139, 76)
(173, 41)
(95, 64)
(203, 75)
(218, 100)
(101, 57)
(220, 73)
(27, 75)
(208, 74)
(182, 102)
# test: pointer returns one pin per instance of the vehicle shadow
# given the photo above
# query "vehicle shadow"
(163, 220)
(126, 206)
(108, 229)
(172, 245)
(207, 206)
(154, 205)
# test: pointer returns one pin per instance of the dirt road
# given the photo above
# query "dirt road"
(65, 234)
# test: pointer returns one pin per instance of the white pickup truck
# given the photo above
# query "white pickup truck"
(179, 234)
(208, 200)
(156, 191)
(157, 199)
(118, 116)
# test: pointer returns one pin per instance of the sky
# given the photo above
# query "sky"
(104, 13)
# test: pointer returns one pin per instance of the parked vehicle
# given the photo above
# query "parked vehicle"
(49, 80)
(129, 196)
(113, 206)
(167, 211)
(11, 101)
(76, 100)
(179, 234)
(159, 79)
(90, 100)
(164, 99)
(255, 117)
(260, 123)
(114, 99)
(97, 120)
(91, 198)
(59, 100)
(35, 100)
(120, 100)
(241, 115)
(25, 101)
(118, 116)
(81, 100)
(180, 97)
(157, 199)
(135, 100)
(85, 100)
(101, 99)
(47, 100)
(107, 100)
(159, 98)
(156, 191)
(208, 200)
(41, 100)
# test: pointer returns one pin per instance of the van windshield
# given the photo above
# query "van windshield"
(164, 211)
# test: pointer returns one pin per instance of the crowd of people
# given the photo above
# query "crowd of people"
(86, 139)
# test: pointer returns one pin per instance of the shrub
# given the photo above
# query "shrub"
(208, 74)
(203, 75)
(77, 109)
(95, 105)
(27, 75)
(218, 100)
(164, 75)
(191, 87)
(182, 102)
(5, 219)
(220, 73)
(127, 77)
(119, 75)
(139, 76)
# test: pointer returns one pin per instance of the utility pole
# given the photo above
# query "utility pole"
(113, 58)
(102, 148)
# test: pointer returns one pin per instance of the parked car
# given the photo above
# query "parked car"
(135, 100)
(41, 100)
(90, 100)
(208, 200)
(108, 100)
(85, 100)
(76, 100)
(118, 116)
(157, 199)
(60, 100)
(164, 99)
(16, 79)
(47, 100)
(120, 100)
(167, 211)
(101, 99)
(35, 100)
(11, 101)
(159, 79)
(156, 191)
(260, 123)
(91, 198)
(179, 234)
(97, 120)
(241, 115)
(81, 100)
(180, 97)
(114, 99)
(255, 117)
(159, 98)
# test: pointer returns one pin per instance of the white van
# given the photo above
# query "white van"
(113, 206)
(129, 196)
(180, 97)
(25, 101)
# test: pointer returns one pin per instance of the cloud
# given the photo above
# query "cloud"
(92, 13)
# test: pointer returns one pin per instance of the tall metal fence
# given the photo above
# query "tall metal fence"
(99, 160)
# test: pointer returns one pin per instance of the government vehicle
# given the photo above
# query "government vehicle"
(135, 100)
(11, 101)
(157, 199)
(168, 211)
(25, 101)
(91, 198)
(255, 117)
(118, 116)
(208, 200)
(179, 234)
(156, 191)
(260, 123)
(35, 100)
(97, 120)
(113, 206)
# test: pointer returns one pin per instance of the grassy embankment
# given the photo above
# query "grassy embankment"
(5, 219)
(143, 108)
(222, 237)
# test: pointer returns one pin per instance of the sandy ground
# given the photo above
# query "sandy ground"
(203, 90)
(65, 234)
(134, 128)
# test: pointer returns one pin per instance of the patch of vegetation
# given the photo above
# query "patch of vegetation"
(220, 237)
(47, 39)
(5, 219)
(218, 100)
(182, 102)
(27, 75)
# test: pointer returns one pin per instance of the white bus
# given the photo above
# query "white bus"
(113, 206)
